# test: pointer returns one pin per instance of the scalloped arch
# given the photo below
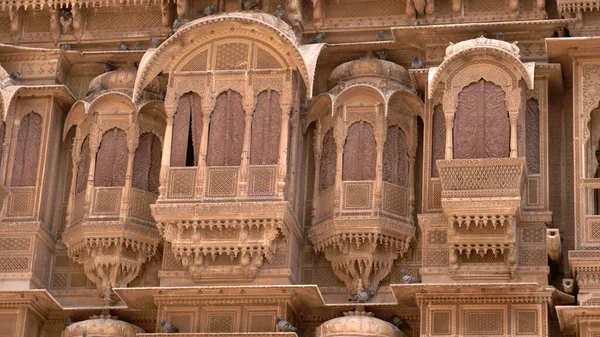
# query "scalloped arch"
(409, 98)
(366, 90)
(112, 99)
(320, 105)
(204, 30)
(76, 116)
(451, 64)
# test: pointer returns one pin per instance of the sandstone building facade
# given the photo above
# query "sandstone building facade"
(215, 164)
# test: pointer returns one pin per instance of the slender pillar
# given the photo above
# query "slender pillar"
(201, 173)
(513, 116)
(283, 144)
(318, 148)
(245, 165)
(165, 161)
(449, 137)
(126, 193)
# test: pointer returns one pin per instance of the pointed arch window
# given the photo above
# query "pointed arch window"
(481, 125)
(146, 163)
(360, 153)
(395, 157)
(226, 132)
(83, 167)
(111, 160)
(27, 151)
(266, 129)
(187, 131)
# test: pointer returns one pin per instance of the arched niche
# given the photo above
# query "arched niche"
(360, 95)
(111, 159)
(226, 130)
(266, 42)
(266, 129)
(27, 150)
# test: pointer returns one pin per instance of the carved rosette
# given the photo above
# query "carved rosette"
(112, 254)
(103, 325)
(357, 323)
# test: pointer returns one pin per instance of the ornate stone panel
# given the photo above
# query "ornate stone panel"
(226, 133)
(27, 151)
(266, 129)
(359, 153)
(111, 160)
(146, 163)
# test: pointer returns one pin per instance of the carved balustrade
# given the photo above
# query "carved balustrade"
(364, 171)
(116, 162)
(482, 201)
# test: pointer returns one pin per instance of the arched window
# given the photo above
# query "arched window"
(83, 167)
(187, 131)
(111, 160)
(395, 157)
(328, 162)
(481, 126)
(27, 151)
(438, 138)
(226, 133)
(146, 163)
(360, 154)
(266, 128)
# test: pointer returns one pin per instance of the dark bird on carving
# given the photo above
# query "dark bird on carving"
(154, 42)
(65, 46)
(320, 37)
(15, 75)
(137, 46)
(397, 321)
(161, 94)
(563, 32)
(380, 36)
(417, 22)
(416, 63)
(382, 55)
(250, 5)
(500, 36)
(66, 13)
(279, 11)
(168, 327)
(362, 297)
(208, 10)
(284, 325)
(108, 67)
(84, 334)
(70, 321)
(97, 86)
(122, 46)
(408, 279)
(177, 23)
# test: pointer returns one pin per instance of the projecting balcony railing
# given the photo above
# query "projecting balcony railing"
(20, 202)
(221, 183)
(578, 5)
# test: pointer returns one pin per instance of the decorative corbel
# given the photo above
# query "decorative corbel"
(317, 13)
(16, 23)
(77, 24)
(456, 6)
(55, 28)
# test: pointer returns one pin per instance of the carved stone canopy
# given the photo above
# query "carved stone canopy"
(481, 41)
(124, 79)
(369, 69)
(108, 326)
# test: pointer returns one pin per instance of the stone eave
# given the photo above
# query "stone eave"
(570, 316)
(40, 300)
(535, 29)
(61, 93)
(563, 49)
(411, 295)
(304, 296)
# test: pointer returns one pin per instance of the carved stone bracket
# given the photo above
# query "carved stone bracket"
(112, 254)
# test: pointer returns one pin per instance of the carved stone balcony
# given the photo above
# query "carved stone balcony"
(226, 234)
(361, 232)
(481, 199)
(111, 238)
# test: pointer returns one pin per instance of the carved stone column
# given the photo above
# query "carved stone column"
(165, 161)
(245, 166)
(283, 144)
(95, 138)
(380, 135)
(449, 139)
(76, 151)
(318, 147)
(513, 117)
(202, 152)
(339, 137)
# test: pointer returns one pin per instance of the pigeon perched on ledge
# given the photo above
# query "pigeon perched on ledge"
(168, 327)
(209, 10)
(318, 38)
(284, 325)
(361, 297)
(408, 279)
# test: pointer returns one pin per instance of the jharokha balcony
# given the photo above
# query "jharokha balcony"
(226, 196)
(482, 200)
